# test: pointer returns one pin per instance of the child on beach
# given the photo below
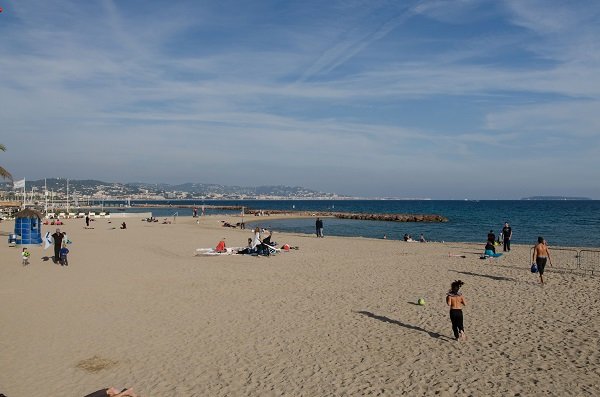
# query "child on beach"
(64, 251)
(25, 255)
(456, 301)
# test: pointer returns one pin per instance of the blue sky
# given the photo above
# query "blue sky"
(440, 99)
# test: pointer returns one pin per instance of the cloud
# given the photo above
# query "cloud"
(331, 96)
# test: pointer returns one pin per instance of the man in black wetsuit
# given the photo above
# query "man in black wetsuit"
(506, 235)
(58, 238)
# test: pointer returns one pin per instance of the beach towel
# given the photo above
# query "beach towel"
(214, 252)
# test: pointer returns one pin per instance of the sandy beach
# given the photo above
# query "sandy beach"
(337, 317)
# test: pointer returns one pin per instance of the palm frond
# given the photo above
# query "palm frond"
(5, 174)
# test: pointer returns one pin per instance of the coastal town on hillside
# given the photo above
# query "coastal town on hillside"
(83, 192)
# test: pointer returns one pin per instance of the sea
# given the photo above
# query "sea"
(568, 223)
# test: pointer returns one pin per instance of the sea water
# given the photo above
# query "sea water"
(563, 223)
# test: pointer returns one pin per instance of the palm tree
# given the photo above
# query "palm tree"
(3, 173)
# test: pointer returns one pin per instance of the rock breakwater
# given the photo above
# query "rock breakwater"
(432, 218)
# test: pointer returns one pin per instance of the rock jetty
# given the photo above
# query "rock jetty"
(431, 218)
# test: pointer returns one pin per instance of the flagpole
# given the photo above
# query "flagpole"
(45, 198)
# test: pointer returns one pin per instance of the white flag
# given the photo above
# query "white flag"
(19, 184)
(48, 240)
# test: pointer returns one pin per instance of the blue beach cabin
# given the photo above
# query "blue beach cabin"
(28, 227)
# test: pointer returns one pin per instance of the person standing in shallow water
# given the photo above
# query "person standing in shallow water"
(456, 301)
(541, 255)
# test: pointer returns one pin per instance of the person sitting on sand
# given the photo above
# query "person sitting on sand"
(422, 238)
(456, 301)
(256, 239)
(123, 225)
(247, 250)
(113, 392)
(267, 240)
(490, 250)
(408, 238)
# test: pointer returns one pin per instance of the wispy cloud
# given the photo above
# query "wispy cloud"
(311, 92)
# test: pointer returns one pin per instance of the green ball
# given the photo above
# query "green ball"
(421, 301)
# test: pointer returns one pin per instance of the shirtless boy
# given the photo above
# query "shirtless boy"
(456, 301)
(541, 255)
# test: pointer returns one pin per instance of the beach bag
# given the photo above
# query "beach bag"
(534, 268)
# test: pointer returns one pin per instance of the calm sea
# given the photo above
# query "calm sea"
(564, 223)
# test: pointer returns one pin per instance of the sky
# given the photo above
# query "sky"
(435, 99)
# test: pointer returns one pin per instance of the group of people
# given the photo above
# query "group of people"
(257, 245)
(505, 235)
(60, 248)
(408, 238)
(195, 212)
(456, 301)
(492, 242)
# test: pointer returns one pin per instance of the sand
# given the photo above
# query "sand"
(337, 317)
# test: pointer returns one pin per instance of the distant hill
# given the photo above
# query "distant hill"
(555, 198)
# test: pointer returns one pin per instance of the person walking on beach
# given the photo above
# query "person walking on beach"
(507, 236)
(57, 237)
(541, 255)
(456, 301)
(319, 227)
(87, 221)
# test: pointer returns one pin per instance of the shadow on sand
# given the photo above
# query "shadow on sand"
(497, 278)
(400, 323)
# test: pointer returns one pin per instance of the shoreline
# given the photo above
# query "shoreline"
(233, 219)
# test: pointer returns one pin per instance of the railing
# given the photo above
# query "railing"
(572, 260)
(589, 261)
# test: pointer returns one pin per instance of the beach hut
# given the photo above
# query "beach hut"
(28, 227)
